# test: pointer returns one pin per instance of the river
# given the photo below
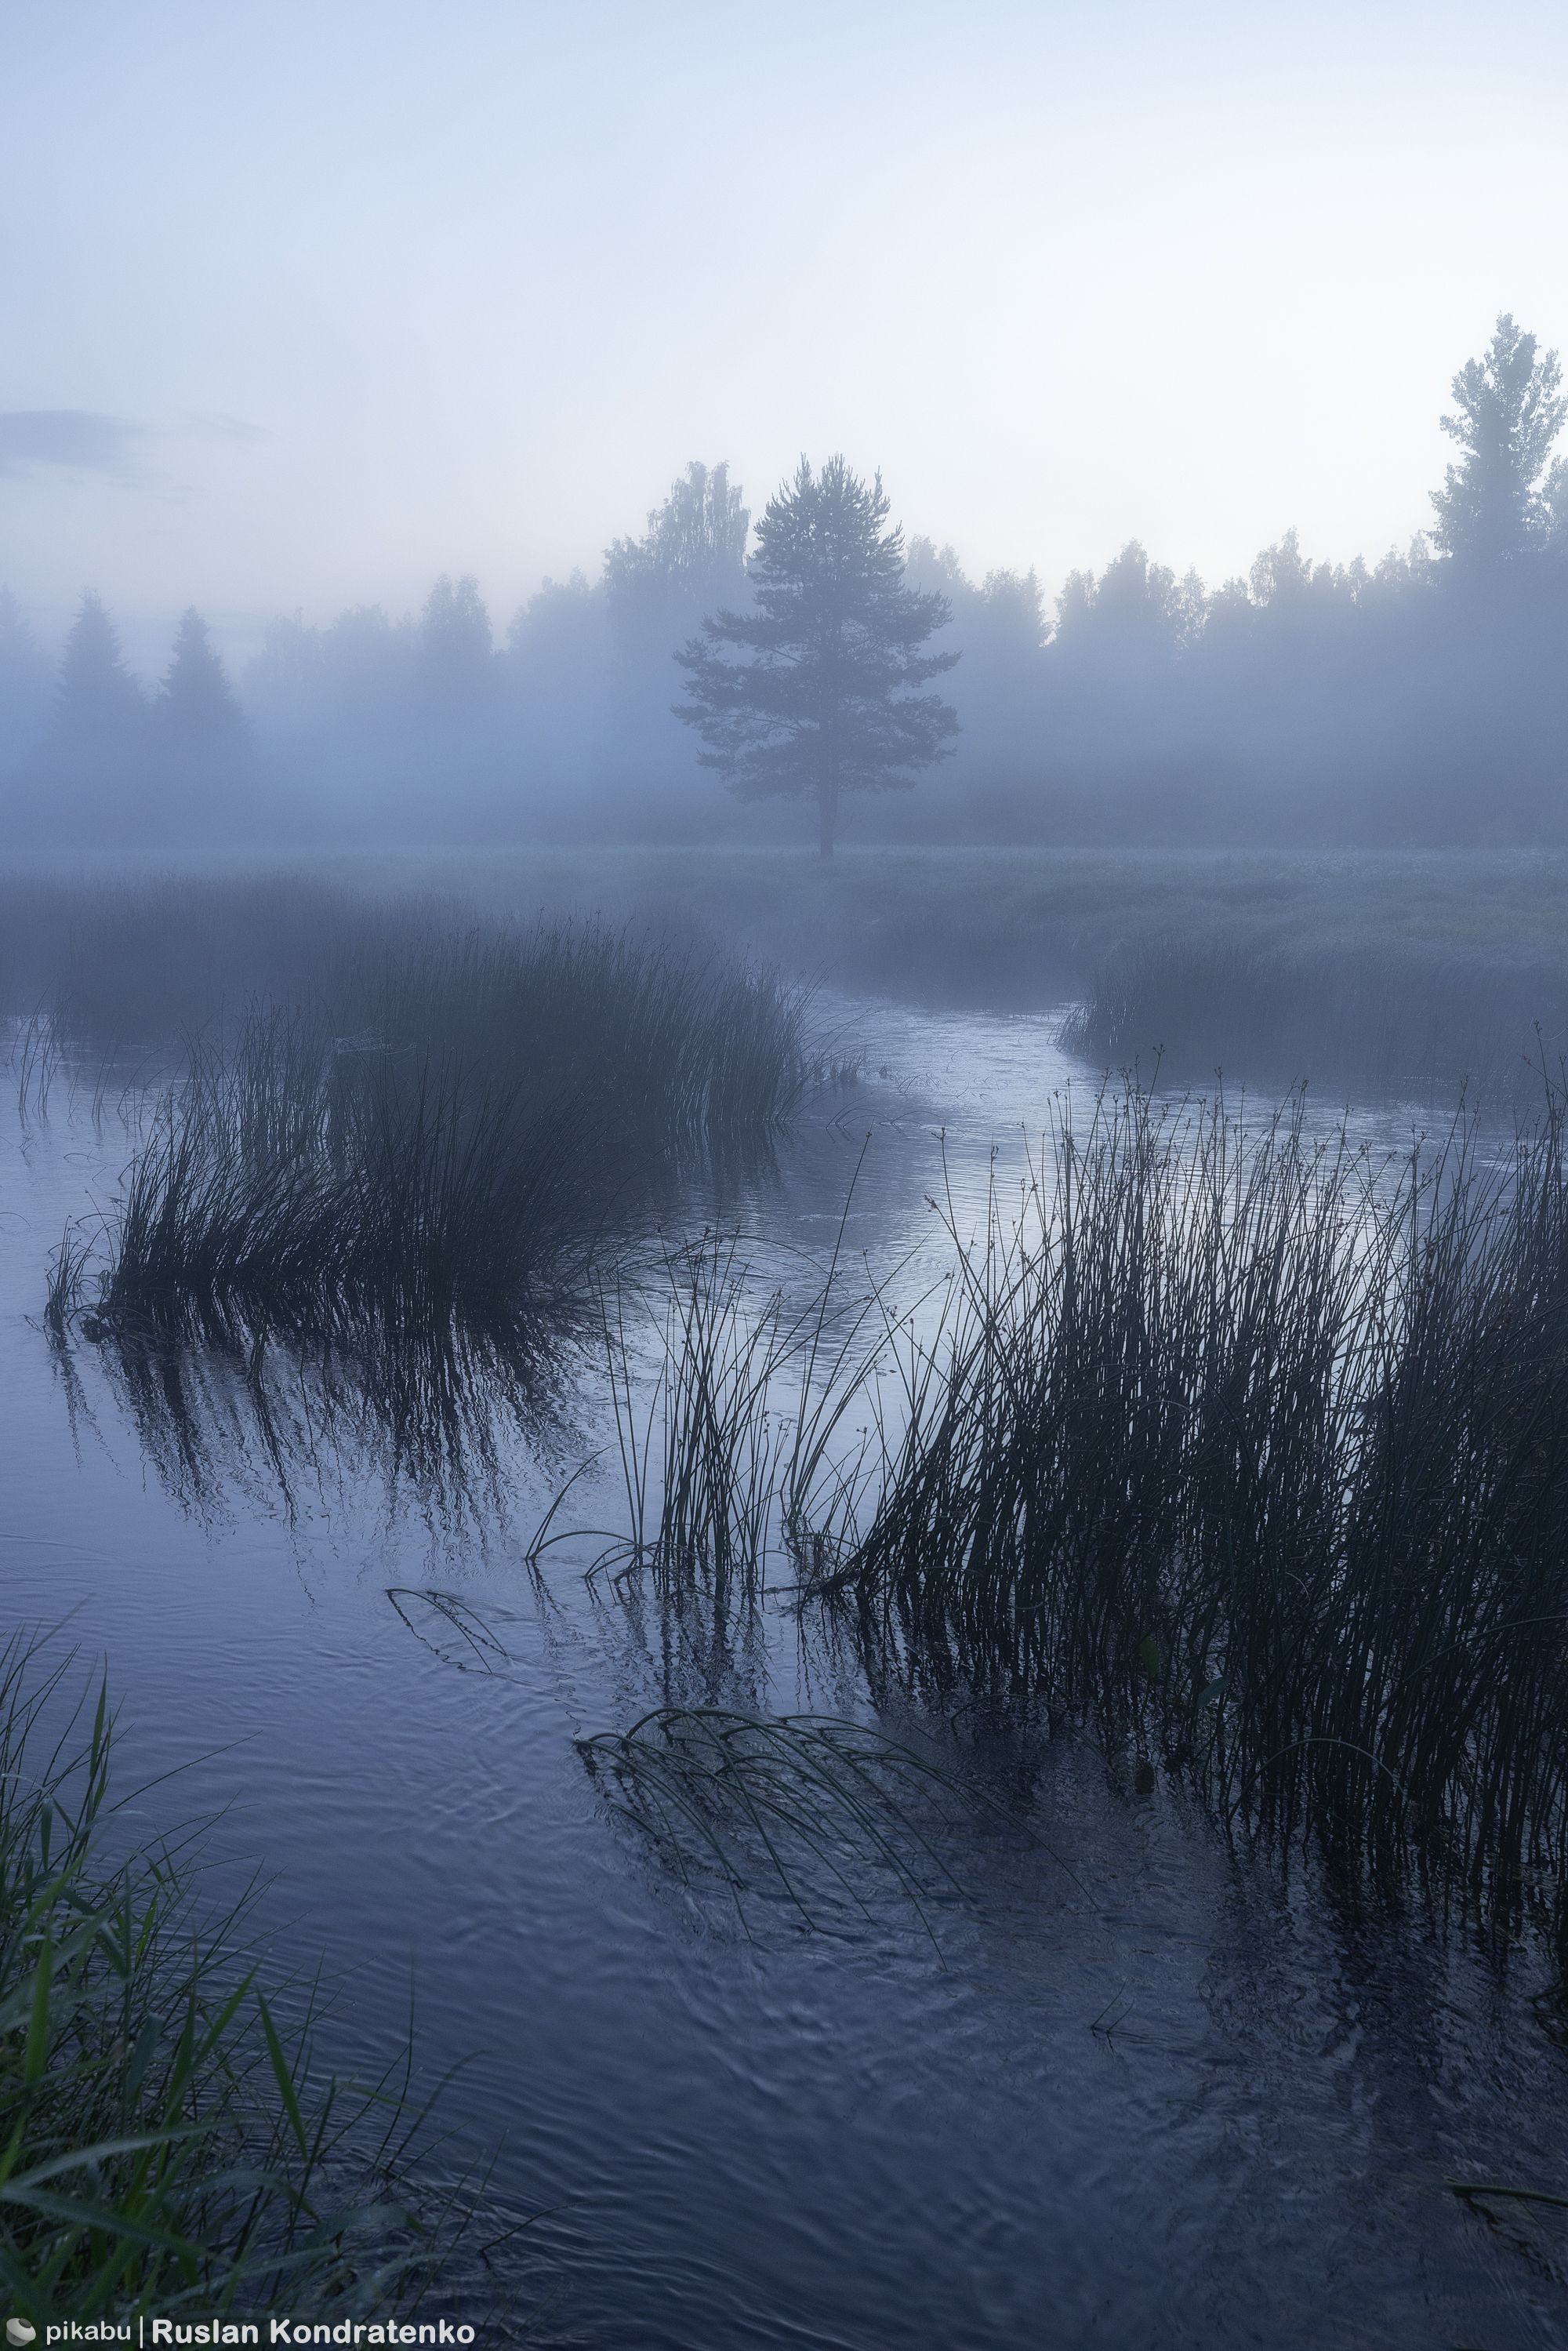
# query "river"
(1128, 2087)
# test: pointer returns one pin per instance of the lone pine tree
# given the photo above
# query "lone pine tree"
(823, 698)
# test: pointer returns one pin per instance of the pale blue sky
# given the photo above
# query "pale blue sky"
(381, 291)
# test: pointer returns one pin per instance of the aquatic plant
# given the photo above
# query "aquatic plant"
(729, 1449)
(277, 1188)
(1248, 1450)
(793, 1797)
(1259, 1453)
(454, 1156)
(67, 1268)
(164, 2141)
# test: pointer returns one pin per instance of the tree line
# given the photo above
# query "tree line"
(1420, 698)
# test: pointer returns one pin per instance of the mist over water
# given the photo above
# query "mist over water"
(783, 1219)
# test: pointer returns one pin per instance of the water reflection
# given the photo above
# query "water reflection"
(440, 1422)
(1212, 2097)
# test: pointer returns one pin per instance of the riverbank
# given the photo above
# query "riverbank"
(1370, 971)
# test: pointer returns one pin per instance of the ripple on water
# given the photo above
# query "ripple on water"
(1144, 2091)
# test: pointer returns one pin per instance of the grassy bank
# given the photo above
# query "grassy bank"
(164, 2145)
(1373, 1018)
(1018, 929)
(1267, 966)
(1013, 927)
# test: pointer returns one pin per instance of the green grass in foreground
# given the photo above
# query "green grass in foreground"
(163, 2146)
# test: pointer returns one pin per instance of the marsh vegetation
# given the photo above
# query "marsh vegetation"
(1219, 1450)
(415, 1126)
(1243, 1450)
(1414, 1021)
(1246, 1444)
(168, 2145)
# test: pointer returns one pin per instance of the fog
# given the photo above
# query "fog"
(784, 1009)
(1415, 700)
(309, 317)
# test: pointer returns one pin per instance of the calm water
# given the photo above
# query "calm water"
(1161, 2096)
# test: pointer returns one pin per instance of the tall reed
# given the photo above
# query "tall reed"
(444, 1140)
(282, 1185)
(1243, 1447)
(1260, 1454)
(729, 1449)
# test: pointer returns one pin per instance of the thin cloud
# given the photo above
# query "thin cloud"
(75, 439)
(217, 427)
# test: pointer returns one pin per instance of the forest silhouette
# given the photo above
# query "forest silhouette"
(1419, 699)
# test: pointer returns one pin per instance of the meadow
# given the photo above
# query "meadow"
(1368, 970)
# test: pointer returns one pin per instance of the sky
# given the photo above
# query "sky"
(305, 305)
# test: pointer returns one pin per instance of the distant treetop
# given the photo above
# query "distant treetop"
(695, 549)
(1495, 507)
(196, 714)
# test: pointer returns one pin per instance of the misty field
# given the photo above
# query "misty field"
(1373, 972)
(1000, 927)
(1369, 972)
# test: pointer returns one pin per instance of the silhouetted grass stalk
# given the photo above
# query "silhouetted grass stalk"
(455, 1158)
(1264, 1457)
(1247, 1448)
(717, 1469)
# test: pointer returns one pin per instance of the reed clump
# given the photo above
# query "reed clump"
(445, 1145)
(288, 1184)
(1258, 1453)
(1392, 1018)
(164, 2143)
(1247, 1448)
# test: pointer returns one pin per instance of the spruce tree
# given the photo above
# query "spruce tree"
(197, 718)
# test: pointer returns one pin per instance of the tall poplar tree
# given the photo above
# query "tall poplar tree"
(1493, 505)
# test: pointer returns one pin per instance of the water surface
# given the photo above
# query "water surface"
(1132, 2088)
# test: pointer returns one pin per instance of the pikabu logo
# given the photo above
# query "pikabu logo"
(362, 2334)
(98, 2330)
